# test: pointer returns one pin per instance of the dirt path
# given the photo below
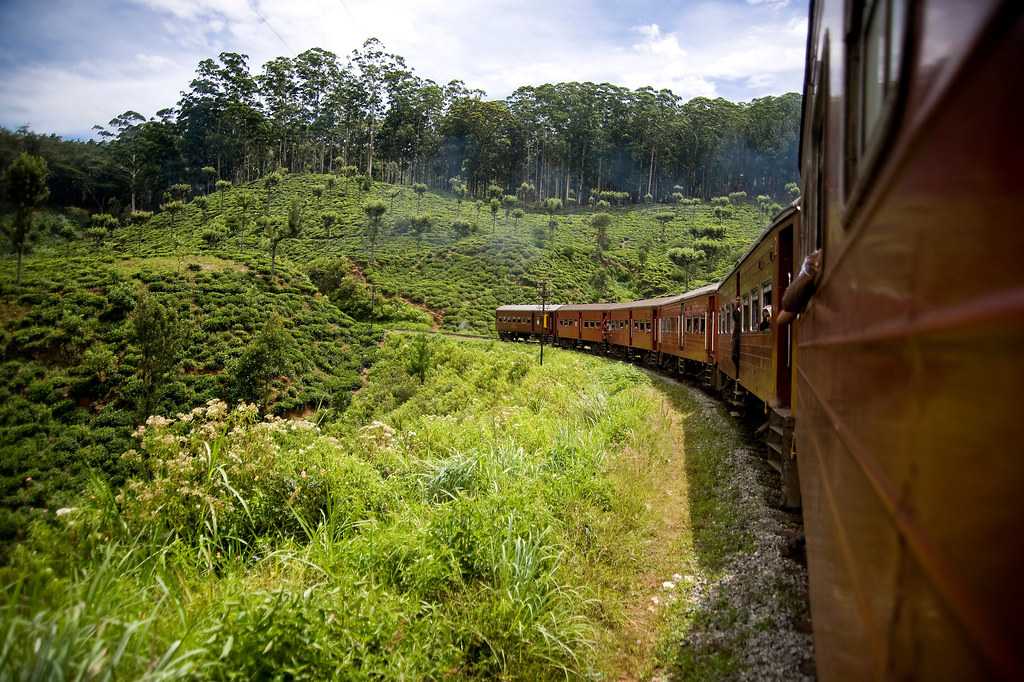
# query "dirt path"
(665, 548)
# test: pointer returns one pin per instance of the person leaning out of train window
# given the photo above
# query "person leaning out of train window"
(766, 319)
(798, 293)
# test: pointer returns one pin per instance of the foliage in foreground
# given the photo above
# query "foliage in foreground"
(456, 528)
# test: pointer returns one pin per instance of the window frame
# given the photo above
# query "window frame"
(864, 153)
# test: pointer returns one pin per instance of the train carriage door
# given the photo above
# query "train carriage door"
(783, 337)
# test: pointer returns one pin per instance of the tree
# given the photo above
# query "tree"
(722, 213)
(686, 259)
(203, 203)
(180, 191)
(420, 225)
(101, 225)
(461, 228)
(270, 182)
(209, 173)
(222, 187)
(517, 215)
(330, 218)
(264, 359)
(508, 202)
(526, 190)
(419, 357)
(394, 195)
(708, 246)
(793, 189)
(158, 335)
(374, 210)
(709, 231)
(245, 200)
(664, 218)
(737, 198)
(173, 208)
(420, 189)
(25, 188)
(460, 195)
(495, 205)
(278, 230)
(600, 222)
(318, 192)
(141, 217)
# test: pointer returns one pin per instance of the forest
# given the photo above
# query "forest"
(371, 112)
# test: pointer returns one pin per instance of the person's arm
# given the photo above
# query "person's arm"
(801, 289)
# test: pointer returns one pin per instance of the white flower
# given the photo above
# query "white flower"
(64, 511)
(668, 585)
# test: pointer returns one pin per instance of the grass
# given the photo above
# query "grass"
(490, 522)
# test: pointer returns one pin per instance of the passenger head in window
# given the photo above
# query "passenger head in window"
(766, 318)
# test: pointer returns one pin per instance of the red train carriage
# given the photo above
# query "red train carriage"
(524, 321)
(670, 335)
(910, 371)
(750, 351)
(643, 322)
(583, 323)
(698, 323)
(619, 331)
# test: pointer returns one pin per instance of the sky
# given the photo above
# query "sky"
(66, 65)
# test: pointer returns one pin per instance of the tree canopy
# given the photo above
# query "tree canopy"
(371, 114)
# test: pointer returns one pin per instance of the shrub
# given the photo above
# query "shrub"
(263, 360)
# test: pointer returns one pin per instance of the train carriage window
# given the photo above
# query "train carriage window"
(745, 322)
(876, 33)
(766, 294)
(755, 309)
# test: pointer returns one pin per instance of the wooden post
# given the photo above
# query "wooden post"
(543, 318)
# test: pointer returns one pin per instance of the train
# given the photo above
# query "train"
(878, 325)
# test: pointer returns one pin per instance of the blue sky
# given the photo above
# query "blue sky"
(66, 65)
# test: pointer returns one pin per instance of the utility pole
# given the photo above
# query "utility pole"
(373, 296)
(543, 318)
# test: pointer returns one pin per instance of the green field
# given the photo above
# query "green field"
(499, 519)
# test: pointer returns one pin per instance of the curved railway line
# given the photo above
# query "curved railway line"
(878, 326)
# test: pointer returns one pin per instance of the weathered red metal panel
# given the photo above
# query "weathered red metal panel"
(910, 372)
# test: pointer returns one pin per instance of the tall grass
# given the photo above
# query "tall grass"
(455, 528)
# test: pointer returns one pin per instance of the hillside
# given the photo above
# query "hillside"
(464, 278)
(70, 372)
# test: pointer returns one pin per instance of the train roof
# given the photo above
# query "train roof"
(651, 302)
(779, 217)
(577, 307)
(702, 291)
(528, 308)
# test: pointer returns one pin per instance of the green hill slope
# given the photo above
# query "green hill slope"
(464, 278)
(70, 383)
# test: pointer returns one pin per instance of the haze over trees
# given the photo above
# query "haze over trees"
(372, 115)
